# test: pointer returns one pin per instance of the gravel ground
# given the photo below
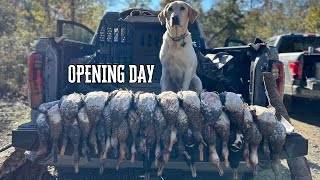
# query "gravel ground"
(12, 114)
(305, 120)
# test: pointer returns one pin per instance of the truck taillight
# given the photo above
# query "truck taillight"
(278, 74)
(296, 69)
(36, 79)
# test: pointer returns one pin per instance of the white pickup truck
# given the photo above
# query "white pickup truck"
(300, 54)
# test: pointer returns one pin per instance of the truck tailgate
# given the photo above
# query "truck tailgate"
(295, 146)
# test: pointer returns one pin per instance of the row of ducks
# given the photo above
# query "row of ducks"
(157, 123)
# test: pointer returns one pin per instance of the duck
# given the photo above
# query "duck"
(211, 106)
(161, 124)
(94, 103)
(74, 133)
(212, 109)
(101, 137)
(222, 127)
(69, 106)
(247, 130)
(85, 128)
(55, 128)
(120, 104)
(189, 141)
(209, 135)
(252, 140)
(166, 140)
(182, 127)
(276, 141)
(122, 137)
(265, 119)
(108, 127)
(44, 135)
(145, 105)
(191, 105)
(134, 125)
(236, 149)
(169, 104)
(233, 106)
(44, 107)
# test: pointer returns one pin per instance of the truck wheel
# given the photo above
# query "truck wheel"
(289, 103)
(299, 168)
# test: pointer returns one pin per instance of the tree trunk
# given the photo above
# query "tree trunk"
(47, 9)
(73, 10)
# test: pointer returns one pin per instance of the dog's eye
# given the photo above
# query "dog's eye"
(182, 8)
(170, 9)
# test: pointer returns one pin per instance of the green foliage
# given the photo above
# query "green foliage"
(22, 22)
(224, 20)
(247, 19)
(312, 20)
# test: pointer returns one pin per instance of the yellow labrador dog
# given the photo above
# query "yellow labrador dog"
(177, 56)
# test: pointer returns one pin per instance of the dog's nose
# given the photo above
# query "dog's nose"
(175, 20)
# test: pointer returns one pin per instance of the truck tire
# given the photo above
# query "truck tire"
(299, 168)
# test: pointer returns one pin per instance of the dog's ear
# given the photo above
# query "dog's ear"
(192, 13)
(162, 15)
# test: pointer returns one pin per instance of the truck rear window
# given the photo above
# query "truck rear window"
(298, 43)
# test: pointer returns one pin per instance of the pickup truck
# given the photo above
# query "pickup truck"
(135, 38)
(300, 54)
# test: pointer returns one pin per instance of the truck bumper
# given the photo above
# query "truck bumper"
(25, 137)
(302, 92)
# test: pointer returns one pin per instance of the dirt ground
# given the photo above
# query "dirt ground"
(12, 114)
(306, 121)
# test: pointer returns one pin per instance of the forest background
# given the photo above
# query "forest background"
(22, 22)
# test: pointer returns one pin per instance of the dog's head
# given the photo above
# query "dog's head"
(177, 14)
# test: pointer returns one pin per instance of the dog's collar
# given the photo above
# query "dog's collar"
(179, 38)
